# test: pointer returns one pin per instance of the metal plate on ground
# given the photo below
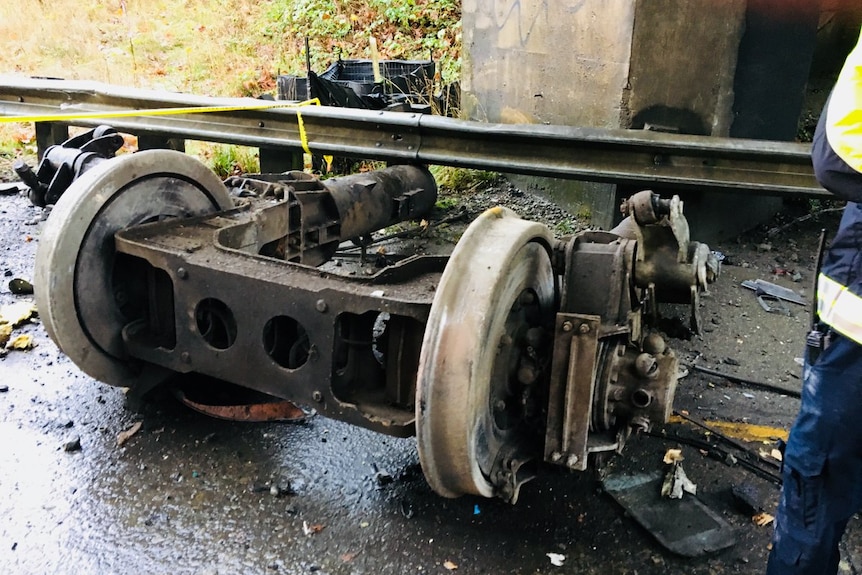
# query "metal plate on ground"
(685, 526)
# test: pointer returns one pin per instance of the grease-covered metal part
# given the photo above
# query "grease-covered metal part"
(610, 375)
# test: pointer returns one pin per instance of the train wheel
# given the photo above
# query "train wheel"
(79, 286)
(480, 355)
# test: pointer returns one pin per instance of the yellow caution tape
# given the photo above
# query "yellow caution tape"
(71, 117)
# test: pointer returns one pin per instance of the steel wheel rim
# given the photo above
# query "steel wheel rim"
(460, 347)
(79, 235)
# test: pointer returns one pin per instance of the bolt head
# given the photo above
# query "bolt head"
(567, 326)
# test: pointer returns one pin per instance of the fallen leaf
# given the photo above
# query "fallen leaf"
(557, 560)
(776, 454)
(449, 565)
(5, 333)
(22, 342)
(126, 435)
(349, 556)
(673, 455)
(17, 313)
(763, 519)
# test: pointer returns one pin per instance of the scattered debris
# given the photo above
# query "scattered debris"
(407, 510)
(450, 565)
(773, 454)
(676, 482)
(5, 333)
(776, 291)
(310, 530)
(126, 435)
(381, 476)
(21, 342)
(8, 189)
(281, 489)
(19, 286)
(3, 388)
(72, 444)
(763, 519)
(557, 559)
(672, 456)
(749, 498)
(17, 313)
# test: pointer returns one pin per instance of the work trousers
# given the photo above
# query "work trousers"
(822, 465)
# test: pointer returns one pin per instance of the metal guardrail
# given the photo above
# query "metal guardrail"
(617, 156)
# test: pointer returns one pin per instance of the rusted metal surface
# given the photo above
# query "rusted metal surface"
(484, 357)
(611, 376)
(572, 385)
(617, 156)
(516, 348)
(670, 266)
(312, 217)
(281, 328)
(248, 412)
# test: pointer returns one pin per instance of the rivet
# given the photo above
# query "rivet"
(182, 273)
(321, 306)
(317, 396)
(567, 326)
(584, 328)
(185, 357)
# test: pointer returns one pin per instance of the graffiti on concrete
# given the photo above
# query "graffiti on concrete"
(520, 22)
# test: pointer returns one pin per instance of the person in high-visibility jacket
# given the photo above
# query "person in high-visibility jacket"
(822, 472)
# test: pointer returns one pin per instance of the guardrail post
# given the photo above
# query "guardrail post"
(49, 134)
(149, 142)
(277, 161)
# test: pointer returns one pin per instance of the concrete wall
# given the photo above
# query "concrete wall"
(656, 64)
(537, 61)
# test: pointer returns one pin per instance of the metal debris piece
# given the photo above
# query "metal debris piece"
(702, 531)
(776, 291)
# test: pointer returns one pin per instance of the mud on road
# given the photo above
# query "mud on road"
(190, 494)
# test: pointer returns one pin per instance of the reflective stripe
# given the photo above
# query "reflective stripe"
(839, 308)
(844, 115)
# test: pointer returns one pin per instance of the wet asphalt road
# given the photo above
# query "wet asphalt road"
(189, 494)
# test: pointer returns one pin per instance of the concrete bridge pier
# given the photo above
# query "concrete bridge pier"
(734, 68)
